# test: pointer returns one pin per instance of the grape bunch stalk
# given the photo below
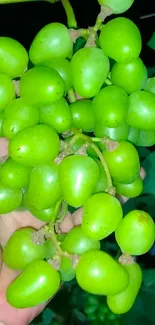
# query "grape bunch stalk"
(74, 120)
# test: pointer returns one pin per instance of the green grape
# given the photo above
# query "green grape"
(83, 115)
(10, 198)
(44, 188)
(123, 162)
(13, 57)
(67, 271)
(1, 121)
(58, 115)
(120, 39)
(141, 113)
(102, 182)
(89, 67)
(133, 135)
(111, 106)
(52, 41)
(36, 284)
(130, 190)
(118, 6)
(136, 233)
(146, 138)
(34, 146)
(102, 215)
(76, 242)
(41, 86)
(78, 177)
(150, 85)
(119, 133)
(98, 273)
(43, 215)
(62, 66)
(20, 250)
(131, 76)
(18, 116)
(7, 91)
(13, 174)
(121, 303)
(49, 249)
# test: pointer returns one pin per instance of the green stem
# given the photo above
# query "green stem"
(71, 20)
(71, 96)
(63, 212)
(54, 240)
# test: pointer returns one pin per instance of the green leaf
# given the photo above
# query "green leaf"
(143, 152)
(151, 72)
(80, 43)
(149, 166)
(151, 42)
(149, 278)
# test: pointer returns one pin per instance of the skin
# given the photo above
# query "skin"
(8, 224)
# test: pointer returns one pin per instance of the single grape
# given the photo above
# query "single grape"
(118, 6)
(20, 249)
(10, 198)
(98, 273)
(76, 242)
(121, 303)
(78, 177)
(146, 138)
(44, 188)
(136, 233)
(141, 113)
(102, 215)
(83, 115)
(52, 41)
(57, 114)
(111, 106)
(7, 91)
(13, 57)
(13, 174)
(49, 248)
(41, 86)
(18, 116)
(123, 162)
(89, 67)
(102, 182)
(62, 66)
(119, 133)
(133, 135)
(130, 190)
(36, 284)
(131, 76)
(150, 85)
(120, 39)
(67, 271)
(35, 145)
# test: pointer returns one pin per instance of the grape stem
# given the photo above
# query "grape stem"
(71, 20)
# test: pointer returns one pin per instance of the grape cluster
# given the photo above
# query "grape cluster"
(73, 124)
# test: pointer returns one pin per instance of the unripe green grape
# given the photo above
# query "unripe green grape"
(120, 39)
(13, 174)
(43, 215)
(136, 233)
(67, 271)
(7, 91)
(98, 273)
(123, 302)
(111, 106)
(41, 86)
(35, 145)
(20, 250)
(118, 6)
(141, 113)
(57, 114)
(83, 115)
(13, 57)
(119, 133)
(131, 76)
(133, 135)
(150, 85)
(89, 67)
(18, 116)
(123, 162)
(50, 249)
(35, 285)
(130, 190)
(44, 188)
(76, 242)
(10, 198)
(62, 66)
(101, 217)
(52, 41)
(102, 182)
(146, 138)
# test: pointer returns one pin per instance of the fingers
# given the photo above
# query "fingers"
(0, 258)
(77, 217)
(4, 147)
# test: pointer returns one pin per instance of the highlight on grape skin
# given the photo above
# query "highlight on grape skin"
(69, 142)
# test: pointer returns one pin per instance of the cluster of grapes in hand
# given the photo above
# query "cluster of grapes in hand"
(73, 121)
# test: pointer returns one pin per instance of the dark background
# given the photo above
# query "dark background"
(23, 20)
